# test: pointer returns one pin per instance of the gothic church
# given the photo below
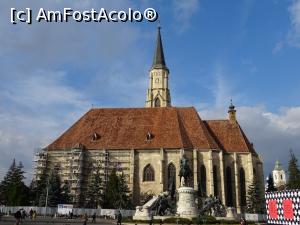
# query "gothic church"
(146, 144)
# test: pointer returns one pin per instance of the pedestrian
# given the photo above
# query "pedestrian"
(119, 218)
(94, 218)
(23, 214)
(71, 215)
(243, 221)
(31, 213)
(85, 219)
(34, 214)
(151, 219)
(18, 217)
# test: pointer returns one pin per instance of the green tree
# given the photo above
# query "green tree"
(117, 192)
(94, 195)
(255, 198)
(13, 191)
(270, 184)
(123, 198)
(37, 187)
(66, 193)
(52, 193)
(111, 191)
(293, 172)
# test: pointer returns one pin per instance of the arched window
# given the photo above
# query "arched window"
(157, 102)
(171, 174)
(229, 194)
(203, 179)
(148, 173)
(243, 187)
(215, 177)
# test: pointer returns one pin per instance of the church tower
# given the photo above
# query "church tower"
(158, 93)
(279, 175)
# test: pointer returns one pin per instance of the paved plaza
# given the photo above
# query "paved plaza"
(56, 221)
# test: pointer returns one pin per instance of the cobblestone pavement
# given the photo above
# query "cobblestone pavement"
(48, 221)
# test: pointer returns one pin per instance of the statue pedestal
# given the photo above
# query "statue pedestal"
(231, 213)
(142, 213)
(186, 206)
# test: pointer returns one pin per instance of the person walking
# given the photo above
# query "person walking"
(119, 218)
(34, 214)
(31, 213)
(85, 219)
(94, 218)
(23, 214)
(151, 219)
(18, 217)
(243, 221)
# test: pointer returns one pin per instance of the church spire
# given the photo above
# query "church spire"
(159, 58)
(158, 94)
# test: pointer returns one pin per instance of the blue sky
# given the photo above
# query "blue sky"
(245, 50)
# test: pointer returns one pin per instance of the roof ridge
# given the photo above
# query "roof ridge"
(216, 120)
(181, 130)
(216, 139)
(246, 140)
(68, 129)
(206, 133)
(144, 108)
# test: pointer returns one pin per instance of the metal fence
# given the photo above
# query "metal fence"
(50, 211)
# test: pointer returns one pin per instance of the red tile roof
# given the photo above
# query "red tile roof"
(170, 127)
(229, 135)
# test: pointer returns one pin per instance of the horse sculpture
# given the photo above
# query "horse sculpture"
(213, 206)
(185, 171)
(161, 206)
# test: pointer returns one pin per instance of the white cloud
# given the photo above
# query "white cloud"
(273, 134)
(294, 34)
(33, 112)
(223, 88)
(49, 74)
(279, 45)
(184, 11)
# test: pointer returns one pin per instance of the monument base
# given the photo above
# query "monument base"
(186, 206)
(231, 213)
(142, 213)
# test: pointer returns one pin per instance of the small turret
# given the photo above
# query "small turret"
(232, 112)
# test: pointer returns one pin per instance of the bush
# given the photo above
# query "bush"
(176, 220)
(127, 220)
(206, 219)
(228, 222)
(130, 220)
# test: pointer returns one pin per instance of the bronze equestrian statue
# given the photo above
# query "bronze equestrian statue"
(185, 170)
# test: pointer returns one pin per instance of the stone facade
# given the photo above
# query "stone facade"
(146, 144)
(132, 162)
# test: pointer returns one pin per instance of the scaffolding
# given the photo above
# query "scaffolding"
(77, 164)
(107, 160)
(41, 161)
